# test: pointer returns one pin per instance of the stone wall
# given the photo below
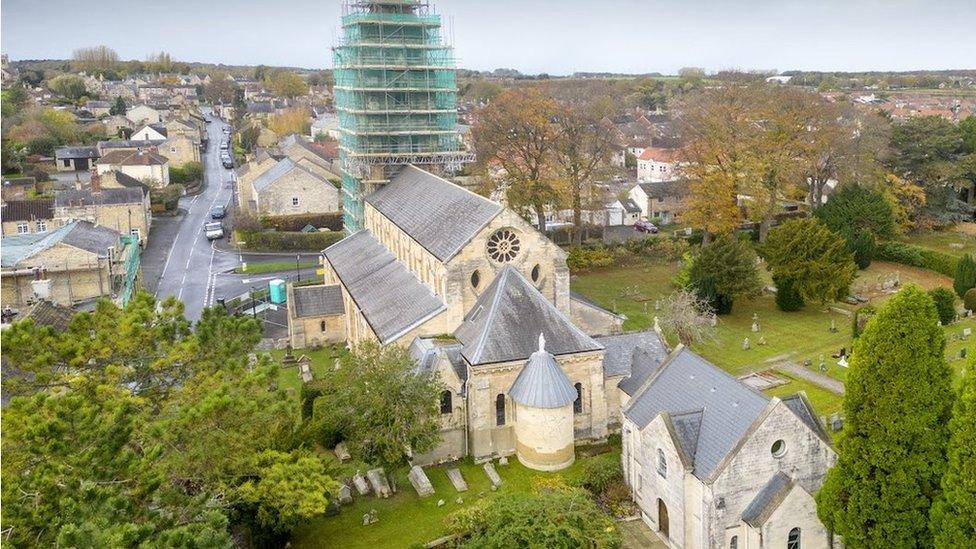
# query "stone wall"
(594, 320)
(313, 194)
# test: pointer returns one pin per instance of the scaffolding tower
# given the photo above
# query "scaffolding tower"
(396, 96)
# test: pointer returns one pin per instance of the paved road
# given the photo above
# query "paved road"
(180, 261)
(821, 380)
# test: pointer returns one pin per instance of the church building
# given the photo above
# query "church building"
(532, 370)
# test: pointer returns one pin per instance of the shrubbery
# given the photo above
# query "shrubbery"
(788, 298)
(281, 241)
(599, 473)
(969, 300)
(582, 258)
(965, 277)
(190, 172)
(945, 304)
(915, 256)
(863, 247)
(297, 222)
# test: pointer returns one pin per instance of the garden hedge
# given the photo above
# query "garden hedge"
(288, 241)
(915, 256)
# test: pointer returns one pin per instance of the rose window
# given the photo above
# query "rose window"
(503, 246)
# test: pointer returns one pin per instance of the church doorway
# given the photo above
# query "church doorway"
(662, 518)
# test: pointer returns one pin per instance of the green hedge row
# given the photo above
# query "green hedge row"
(915, 256)
(280, 241)
(297, 222)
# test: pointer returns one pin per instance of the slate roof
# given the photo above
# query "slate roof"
(687, 383)
(105, 197)
(318, 300)
(79, 234)
(61, 153)
(666, 189)
(128, 143)
(28, 210)
(45, 313)
(260, 107)
(630, 206)
(279, 170)
(125, 180)
(620, 351)
(801, 407)
(767, 499)
(542, 383)
(425, 350)
(441, 216)
(504, 323)
(643, 364)
(132, 158)
(391, 298)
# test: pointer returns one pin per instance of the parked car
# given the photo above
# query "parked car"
(227, 161)
(645, 227)
(213, 230)
(224, 146)
(218, 212)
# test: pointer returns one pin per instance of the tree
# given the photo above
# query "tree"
(899, 397)
(220, 90)
(725, 270)
(854, 208)
(687, 316)
(863, 246)
(294, 120)
(945, 304)
(810, 257)
(159, 63)
(71, 86)
(119, 107)
(380, 404)
(558, 517)
(584, 145)
(515, 134)
(954, 511)
(95, 60)
(286, 84)
(130, 428)
(965, 278)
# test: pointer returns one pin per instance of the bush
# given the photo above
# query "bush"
(788, 298)
(945, 304)
(288, 241)
(297, 222)
(915, 256)
(965, 277)
(861, 318)
(187, 173)
(969, 300)
(599, 473)
(863, 247)
(43, 146)
(582, 258)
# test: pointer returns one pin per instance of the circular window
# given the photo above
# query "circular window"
(475, 279)
(778, 449)
(536, 273)
(503, 246)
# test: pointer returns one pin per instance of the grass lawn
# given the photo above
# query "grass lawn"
(627, 290)
(274, 267)
(406, 519)
(824, 401)
(957, 241)
(321, 359)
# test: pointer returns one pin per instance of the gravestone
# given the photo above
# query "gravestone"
(342, 452)
(966, 332)
(440, 503)
(496, 480)
(360, 483)
(345, 494)
(456, 479)
(762, 341)
(420, 481)
(305, 370)
(833, 326)
(503, 460)
(377, 480)
(745, 344)
(755, 322)
(836, 423)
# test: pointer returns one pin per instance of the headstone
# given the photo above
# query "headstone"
(966, 332)
(842, 362)
(418, 478)
(360, 483)
(345, 494)
(657, 325)
(755, 326)
(459, 501)
(496, 480)
(503, 460)
(836, 423)
(456, 479)
(377, 480)
(823, 364)
(762, 341)
(305, 372)
(833, 326)
(745, 344)
(440, 503)
(657, 304)
(807, 363)
(366, 519)
(342, 452)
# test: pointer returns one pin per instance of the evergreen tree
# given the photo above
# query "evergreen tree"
(119, 107)
(965, 275)
(945, 304)
(854, 208)
(954, 512)
(891, 456)
(814, 259)
(725, 270)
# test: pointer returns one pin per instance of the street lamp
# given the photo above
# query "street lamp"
(298, 269)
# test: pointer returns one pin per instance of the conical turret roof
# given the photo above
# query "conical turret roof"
(542, 383)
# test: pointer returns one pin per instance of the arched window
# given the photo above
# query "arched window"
(500, 410)
(578, 403)
(536, 273)
(322, 325)
(793, 539)
(475, 279)
(446, 406)
(662, 464)
(734, 542)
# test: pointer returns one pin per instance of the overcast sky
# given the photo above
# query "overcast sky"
(533, 36)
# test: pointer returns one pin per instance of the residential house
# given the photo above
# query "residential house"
(115, 123)
(287, 188)
(661, 201)
(149, 132)
(75, 263)
(73, 159)
(126, 210)
(658, 164)
(104, 147)
(143, 114)
(711, 462)
(144, 165)
(98, 108)
(27, 216)
(17, 188)
(630, 212)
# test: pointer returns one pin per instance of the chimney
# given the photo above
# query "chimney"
(96, 181)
